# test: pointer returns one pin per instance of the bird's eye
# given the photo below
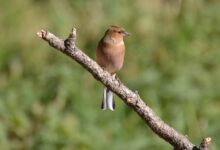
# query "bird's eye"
(119, 32)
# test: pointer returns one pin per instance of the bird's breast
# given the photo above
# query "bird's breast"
(110, 56)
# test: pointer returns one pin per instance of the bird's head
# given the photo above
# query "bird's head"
(116, 32)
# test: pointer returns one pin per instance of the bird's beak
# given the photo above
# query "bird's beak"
(124, 33)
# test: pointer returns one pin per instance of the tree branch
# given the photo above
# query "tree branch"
(132, 99)
(206, 142)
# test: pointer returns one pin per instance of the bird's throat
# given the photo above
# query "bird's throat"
(114, 41)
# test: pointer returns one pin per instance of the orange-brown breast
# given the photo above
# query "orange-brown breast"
(110, 55)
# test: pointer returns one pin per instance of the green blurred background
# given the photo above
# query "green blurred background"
(49, 102)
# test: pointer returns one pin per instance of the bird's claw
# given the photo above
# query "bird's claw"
(117, 78)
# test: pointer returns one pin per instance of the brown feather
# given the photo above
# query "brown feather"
(111, 50)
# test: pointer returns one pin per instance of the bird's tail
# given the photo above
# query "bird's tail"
(108, 100)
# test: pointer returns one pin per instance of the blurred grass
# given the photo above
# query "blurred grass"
(172, 59)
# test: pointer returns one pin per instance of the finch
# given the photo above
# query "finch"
(110, 54)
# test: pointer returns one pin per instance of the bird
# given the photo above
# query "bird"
(110, 54)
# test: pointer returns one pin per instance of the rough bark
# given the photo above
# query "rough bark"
(132, 99)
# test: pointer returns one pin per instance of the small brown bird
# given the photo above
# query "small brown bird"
(110, 56)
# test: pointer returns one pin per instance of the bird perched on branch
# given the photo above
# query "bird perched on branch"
(110, 56)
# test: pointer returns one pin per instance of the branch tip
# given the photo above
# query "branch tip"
(41, 33)
(72, 37)
(206, 142)
(74, 31)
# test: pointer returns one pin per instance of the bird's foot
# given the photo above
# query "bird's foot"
(117, 78)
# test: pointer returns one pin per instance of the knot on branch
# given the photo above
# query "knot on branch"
(70, 41)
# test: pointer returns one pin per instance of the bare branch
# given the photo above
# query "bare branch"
(206, 142)
(132, 99)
